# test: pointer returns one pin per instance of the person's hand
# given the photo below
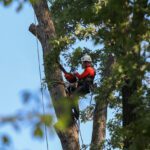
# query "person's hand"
(67, 75)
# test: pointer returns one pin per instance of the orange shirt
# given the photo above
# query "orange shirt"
(70, 77)
(89, 71)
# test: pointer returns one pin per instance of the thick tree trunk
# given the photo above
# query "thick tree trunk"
(100, 112)
(45, 31)
(99, 126)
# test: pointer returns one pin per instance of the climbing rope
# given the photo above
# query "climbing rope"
(80, 132)
(41, 89)
(91, 98)
(84, 146)
(77, 122)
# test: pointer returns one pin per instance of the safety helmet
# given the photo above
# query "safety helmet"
(86, 57)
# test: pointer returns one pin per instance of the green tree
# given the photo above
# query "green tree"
(122, 27)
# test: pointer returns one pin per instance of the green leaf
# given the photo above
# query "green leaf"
(38, 132)
(5, 140)
(46, 119)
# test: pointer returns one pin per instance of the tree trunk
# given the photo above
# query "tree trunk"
(100, 112)
(99, 126)
(45, 31)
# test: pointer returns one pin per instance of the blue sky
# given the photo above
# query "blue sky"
(19, 72)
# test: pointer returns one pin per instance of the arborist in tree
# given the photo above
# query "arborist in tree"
(83, 82)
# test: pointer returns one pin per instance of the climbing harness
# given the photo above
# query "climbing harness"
(41, 89)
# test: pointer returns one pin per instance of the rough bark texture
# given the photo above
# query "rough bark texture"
(100, 113)
(45, 31)
(99, 125)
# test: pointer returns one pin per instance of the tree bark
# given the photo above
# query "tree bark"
(99, 126)
(45, 31)
(100, 112)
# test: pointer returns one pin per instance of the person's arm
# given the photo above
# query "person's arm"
(88, 71)
(83, 75)
(70, 77)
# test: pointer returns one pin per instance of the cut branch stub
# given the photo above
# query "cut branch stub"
(44, 17)
(35, 30)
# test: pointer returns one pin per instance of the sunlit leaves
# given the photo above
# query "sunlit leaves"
(85, 32)
(98, 5)
(62, 43)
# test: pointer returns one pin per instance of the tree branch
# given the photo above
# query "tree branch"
(100, 112)
(35, 30)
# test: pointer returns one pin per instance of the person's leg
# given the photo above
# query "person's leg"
(74, 100)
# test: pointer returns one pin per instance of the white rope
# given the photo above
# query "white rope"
(80, 132)
(40, 75)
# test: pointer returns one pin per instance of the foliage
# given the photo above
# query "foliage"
(87, 114)
(123, 29)
(5, 141)
(31, 115)
(7, 3)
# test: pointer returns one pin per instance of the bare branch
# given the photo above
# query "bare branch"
(34, 30)
(37, 31)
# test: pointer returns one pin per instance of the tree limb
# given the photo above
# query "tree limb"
(35, 30)
(100, 112)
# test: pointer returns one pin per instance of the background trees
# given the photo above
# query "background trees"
(122, 28)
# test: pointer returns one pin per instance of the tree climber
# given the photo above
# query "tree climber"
(82, 82)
